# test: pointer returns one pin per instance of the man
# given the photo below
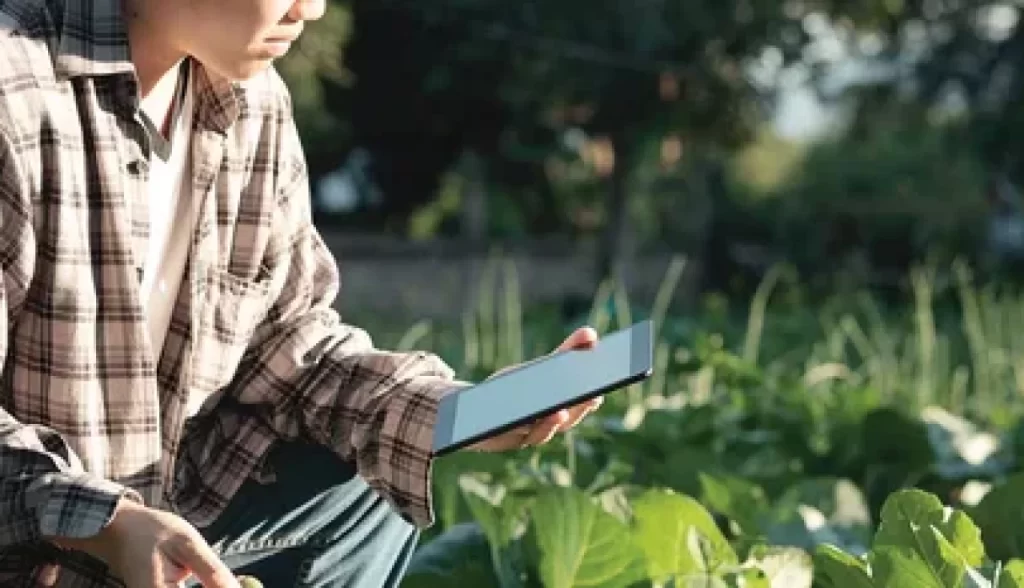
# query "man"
(179, 403)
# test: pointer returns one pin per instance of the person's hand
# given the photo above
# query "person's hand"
(542, 431)
(150, 548)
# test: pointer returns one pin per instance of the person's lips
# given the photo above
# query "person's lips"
(279, 46)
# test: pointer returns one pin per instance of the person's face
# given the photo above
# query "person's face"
(239, 38)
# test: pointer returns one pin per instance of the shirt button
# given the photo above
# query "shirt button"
(136, 167)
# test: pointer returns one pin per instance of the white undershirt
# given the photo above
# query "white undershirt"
(170, 223)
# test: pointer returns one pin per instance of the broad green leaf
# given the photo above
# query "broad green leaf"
(446, 482)
(458, 557)
(901, 567)
(975, 579)
(617, 501)
(491, 508)
(498, 517)
(950, 567)
(579, 545)
(701, 552)
(1011, 575)
(734, 497)
(998, 515)
(784, 567)
(678, 536)
(908, 517)
(837, 569)
(495, 522)
(965, 537)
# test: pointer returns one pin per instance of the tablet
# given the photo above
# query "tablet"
(543, 387)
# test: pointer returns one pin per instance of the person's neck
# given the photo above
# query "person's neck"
(156, 62)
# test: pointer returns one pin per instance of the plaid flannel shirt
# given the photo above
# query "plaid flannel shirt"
(88, 413)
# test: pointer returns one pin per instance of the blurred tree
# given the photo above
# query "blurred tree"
(939, 124)
(962, 58)
(422, 96)
(543, 117)
(514, 83)
(894, 190)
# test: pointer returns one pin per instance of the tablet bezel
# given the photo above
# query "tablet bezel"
(641, 368)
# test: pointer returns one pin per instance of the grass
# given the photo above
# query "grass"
(949, 343)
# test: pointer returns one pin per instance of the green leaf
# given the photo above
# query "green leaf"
(678, 536)
(448, 471)
(908, 519)
(580, 545)
(617, 501)
(495, 512)
(498, 517)
(838, 569)
(998, 515)
(1011, 575)
(734, 497)
(784, 567)
(901, 567)
(951, 567)
(459, 557)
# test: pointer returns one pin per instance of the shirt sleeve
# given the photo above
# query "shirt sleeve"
(325, 379)
(44, 490)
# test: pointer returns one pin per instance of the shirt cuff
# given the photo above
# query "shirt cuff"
(411, 457)
(74, 506)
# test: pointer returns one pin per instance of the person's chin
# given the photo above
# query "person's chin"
(246, 70)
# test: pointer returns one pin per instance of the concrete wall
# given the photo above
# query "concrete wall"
(439, 280)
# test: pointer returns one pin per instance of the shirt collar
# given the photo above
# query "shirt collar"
(92, 41)
(218, 101)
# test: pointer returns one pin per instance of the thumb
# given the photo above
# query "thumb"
(581, 338)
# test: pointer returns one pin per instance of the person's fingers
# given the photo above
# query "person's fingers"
(545, 429)
(196, 556)
(576, 414)
(581, 338)
(579, 413)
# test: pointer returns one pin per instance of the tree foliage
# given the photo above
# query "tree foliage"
(573, 112)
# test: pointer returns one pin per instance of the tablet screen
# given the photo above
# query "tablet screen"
(543, 387)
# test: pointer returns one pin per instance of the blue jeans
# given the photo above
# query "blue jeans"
(318, 525)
